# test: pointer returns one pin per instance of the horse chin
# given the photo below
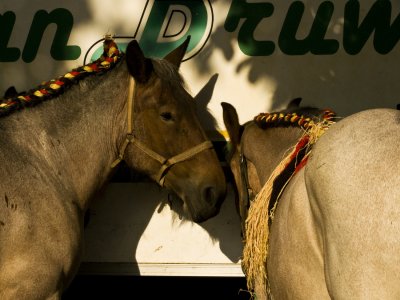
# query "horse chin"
(196, 215)
(178, 206)
(182, 205)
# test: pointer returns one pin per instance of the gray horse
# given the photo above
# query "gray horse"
(334, 218)
(59, 143)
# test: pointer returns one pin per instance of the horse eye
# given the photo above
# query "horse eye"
(166, 116)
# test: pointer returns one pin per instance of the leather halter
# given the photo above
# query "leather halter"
(166, 163)
(247, 191)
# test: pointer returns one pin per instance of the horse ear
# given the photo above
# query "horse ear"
(139, 66)
(10, 92)
(232, 124)
(295, 103)
(175, 56)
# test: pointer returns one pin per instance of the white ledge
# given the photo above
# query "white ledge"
(162, 269)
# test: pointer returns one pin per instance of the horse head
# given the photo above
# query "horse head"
(164, 138)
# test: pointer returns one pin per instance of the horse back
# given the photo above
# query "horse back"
(352, 180)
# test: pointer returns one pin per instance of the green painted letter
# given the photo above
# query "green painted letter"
(252, 13)
(378, 20)
(7, 54)
(59, 48)
(315, 42)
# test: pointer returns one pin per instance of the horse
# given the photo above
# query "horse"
(323, 218)
(61, 143)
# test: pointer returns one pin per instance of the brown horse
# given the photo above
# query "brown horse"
(60, 143)
(333, 212)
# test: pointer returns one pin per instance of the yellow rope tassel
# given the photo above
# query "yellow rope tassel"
(255, 250)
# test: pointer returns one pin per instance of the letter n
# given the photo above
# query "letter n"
(59, 48)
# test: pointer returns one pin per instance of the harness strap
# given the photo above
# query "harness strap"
(181, 157)
(120, 157)
(129, 136)
(168, 163)
(148, 151)
(244, 205)
(244, 177)
(130, 104)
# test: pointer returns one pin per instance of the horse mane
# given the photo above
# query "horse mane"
(55, 87)
(303, 117)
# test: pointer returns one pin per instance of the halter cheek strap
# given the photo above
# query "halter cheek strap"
(166, 163)
(129, 136)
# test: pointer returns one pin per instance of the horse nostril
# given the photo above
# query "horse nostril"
(212, 196)
(211, 201)
(209, 195)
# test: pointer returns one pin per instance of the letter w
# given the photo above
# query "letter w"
(378, 19)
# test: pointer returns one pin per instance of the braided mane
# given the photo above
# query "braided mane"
(286, 119)
(55, 87)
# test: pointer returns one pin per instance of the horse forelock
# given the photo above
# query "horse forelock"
(168, 72)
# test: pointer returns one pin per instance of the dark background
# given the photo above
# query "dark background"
(149, 288)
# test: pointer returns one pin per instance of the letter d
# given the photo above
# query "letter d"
(165, 25)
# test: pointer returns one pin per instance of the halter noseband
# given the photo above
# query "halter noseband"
(166, 163)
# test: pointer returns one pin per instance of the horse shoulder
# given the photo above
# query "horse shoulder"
(353, 185)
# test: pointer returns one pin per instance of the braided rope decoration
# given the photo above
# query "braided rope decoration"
(265, 120)
(55, 87)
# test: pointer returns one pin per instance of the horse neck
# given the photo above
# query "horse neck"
(266, 148)
(74, 137)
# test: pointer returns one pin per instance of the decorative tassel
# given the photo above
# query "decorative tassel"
(255, 249)
(255, 252)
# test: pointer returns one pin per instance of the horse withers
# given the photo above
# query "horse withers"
(328, 198)
(61, 142)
